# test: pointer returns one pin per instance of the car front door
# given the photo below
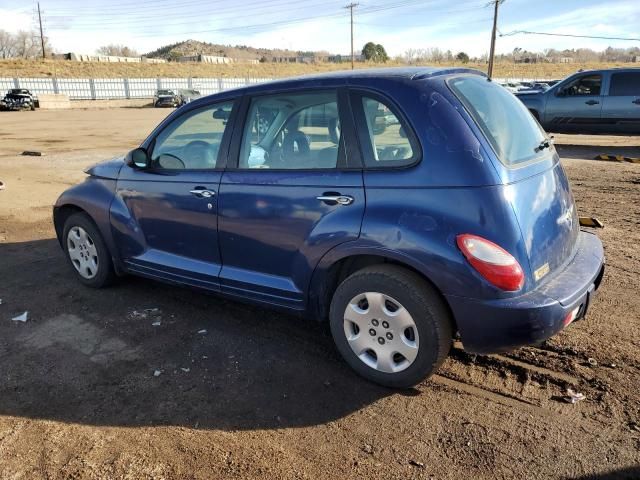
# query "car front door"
(166, 215)
(575, 105)
(621, 107)
(294, 192)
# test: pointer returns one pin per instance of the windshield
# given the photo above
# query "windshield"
(510, 128)
(165, 92)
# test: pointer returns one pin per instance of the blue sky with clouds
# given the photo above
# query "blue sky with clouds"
(83, 26)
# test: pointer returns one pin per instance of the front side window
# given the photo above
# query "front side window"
(584, 86)
(292, 131)
(625, 84)
(387, 135)
(506, 123)
(193, 140)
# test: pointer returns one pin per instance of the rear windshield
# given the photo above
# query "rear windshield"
(510, 128)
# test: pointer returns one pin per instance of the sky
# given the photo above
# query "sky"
(465, 25)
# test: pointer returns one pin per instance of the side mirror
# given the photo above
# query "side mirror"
(137, 158)
(561, 92)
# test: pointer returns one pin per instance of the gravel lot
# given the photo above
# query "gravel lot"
(264, 395)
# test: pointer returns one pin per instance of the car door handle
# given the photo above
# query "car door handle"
(592, 102)
(202, 192)
(339, 199)
(636, 101)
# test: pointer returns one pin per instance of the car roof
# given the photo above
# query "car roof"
(605, 70)
(406, 73)
(410, 73)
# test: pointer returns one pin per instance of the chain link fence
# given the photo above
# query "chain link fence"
(123, 88)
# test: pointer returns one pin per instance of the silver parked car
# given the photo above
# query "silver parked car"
(187, 95)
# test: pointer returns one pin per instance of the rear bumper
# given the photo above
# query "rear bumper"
(488, 326)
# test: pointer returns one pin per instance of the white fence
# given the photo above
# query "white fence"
(122, 88)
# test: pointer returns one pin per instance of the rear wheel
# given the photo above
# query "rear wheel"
(87, 252)
(390, 325)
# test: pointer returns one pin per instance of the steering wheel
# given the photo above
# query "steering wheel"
(199, 154)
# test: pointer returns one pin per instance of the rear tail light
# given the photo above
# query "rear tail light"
(494, 263)
(571, 316)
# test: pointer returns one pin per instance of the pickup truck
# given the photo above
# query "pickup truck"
(595, 101)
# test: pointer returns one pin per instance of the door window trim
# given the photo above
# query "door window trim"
(223, 153)
(349, 158)
(360, 121)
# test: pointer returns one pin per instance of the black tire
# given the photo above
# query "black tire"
(105, 275)
(423, 303)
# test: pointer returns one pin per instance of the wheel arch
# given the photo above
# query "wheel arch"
(332, 271)
(60, 215)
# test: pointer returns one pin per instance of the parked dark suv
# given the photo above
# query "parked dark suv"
(400, 205)
(595, 101)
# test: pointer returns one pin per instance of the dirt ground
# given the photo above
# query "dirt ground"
(264, 395)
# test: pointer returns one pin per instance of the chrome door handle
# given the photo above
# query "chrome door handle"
(636, 101)
(339, 199)
(202, 193)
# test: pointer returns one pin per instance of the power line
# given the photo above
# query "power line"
(516, 32)
(145, 24)
(183, 19)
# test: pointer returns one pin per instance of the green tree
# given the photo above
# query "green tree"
(462, 57)
(374, 52)
(381, 54)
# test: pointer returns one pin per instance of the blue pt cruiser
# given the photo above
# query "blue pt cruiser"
(402, 206)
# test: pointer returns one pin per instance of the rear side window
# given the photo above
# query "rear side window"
(387, 140)
(625, 84)
(387, 134)
(506, 123)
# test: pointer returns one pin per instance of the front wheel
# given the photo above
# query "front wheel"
(87, 252)
(390, 325)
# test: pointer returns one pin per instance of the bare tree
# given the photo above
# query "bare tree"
(117, 51)
(7, 45)
(26, 44)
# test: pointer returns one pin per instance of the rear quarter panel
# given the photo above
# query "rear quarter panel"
(417, 212)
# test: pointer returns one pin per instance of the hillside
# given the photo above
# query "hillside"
(68, 69)
(195, 47)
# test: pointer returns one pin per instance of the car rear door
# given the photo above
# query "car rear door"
(621, 107)
(294, 192)
(165, 216)
(576, 105)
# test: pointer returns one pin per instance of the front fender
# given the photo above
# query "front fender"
(93, 196)
(533, 101)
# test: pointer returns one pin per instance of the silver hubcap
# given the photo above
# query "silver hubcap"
(381, 332)
(82, 252)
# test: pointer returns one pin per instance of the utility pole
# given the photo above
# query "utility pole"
(496, 3)
(351, 6)
(41, 33)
